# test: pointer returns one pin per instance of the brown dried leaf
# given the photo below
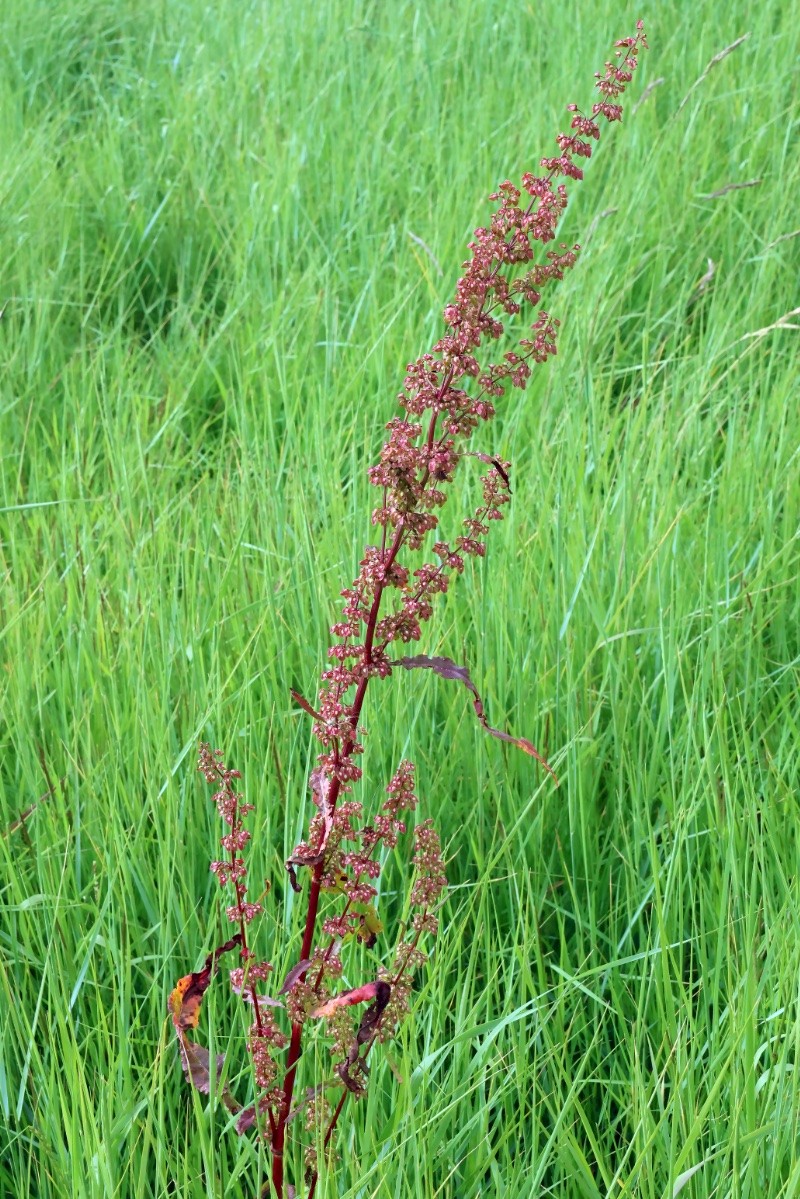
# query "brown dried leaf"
(353, 1070)
(184, 1009)
(495, 462)
(246, 1120)
(290, 864)
(245, 993)
(320, 786)
(372, 1015)
(312, 859)
(196, 1062)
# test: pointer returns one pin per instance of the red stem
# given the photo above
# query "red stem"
(295, 1043)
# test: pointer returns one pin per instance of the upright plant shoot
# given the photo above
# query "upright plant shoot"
(447, 394)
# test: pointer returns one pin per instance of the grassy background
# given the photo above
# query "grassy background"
(211, 289)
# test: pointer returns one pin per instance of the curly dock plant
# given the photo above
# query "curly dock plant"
(447, 394)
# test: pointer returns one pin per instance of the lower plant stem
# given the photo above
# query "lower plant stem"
(295, 1042)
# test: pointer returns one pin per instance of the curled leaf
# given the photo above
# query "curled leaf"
(371, 1018)
(353, 1070)
(312, 859)
(379, 991)
(354, 1075)
(448, 669)
(495, 462)
(185, 1000)
(184, 1009)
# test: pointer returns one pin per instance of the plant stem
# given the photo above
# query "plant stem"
(295, 1043)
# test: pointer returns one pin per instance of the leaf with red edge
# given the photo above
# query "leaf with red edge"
(363, 994)
(448, 669)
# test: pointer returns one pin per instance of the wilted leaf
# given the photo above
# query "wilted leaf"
(246, 1120)
(184, 1008)
(294, 975)
(245, 993)
(353, 1070)
(310, 860)
(449, 670)
(185, 1000)
(196, 1062)
(371, 1017)
(370, 924)
(355, 1082)
(320, 785)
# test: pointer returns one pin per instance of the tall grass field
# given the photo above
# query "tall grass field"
(225, 228)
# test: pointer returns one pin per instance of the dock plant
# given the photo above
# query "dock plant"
(448, 396)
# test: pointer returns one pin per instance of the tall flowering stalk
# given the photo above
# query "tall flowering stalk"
(447, 393)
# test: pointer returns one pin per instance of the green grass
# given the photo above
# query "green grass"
(211, 290)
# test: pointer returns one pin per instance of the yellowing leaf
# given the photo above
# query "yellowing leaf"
(183, 1006)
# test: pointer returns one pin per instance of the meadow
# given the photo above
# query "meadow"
(224, 231)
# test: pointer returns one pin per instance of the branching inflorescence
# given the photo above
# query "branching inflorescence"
(446, 395)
